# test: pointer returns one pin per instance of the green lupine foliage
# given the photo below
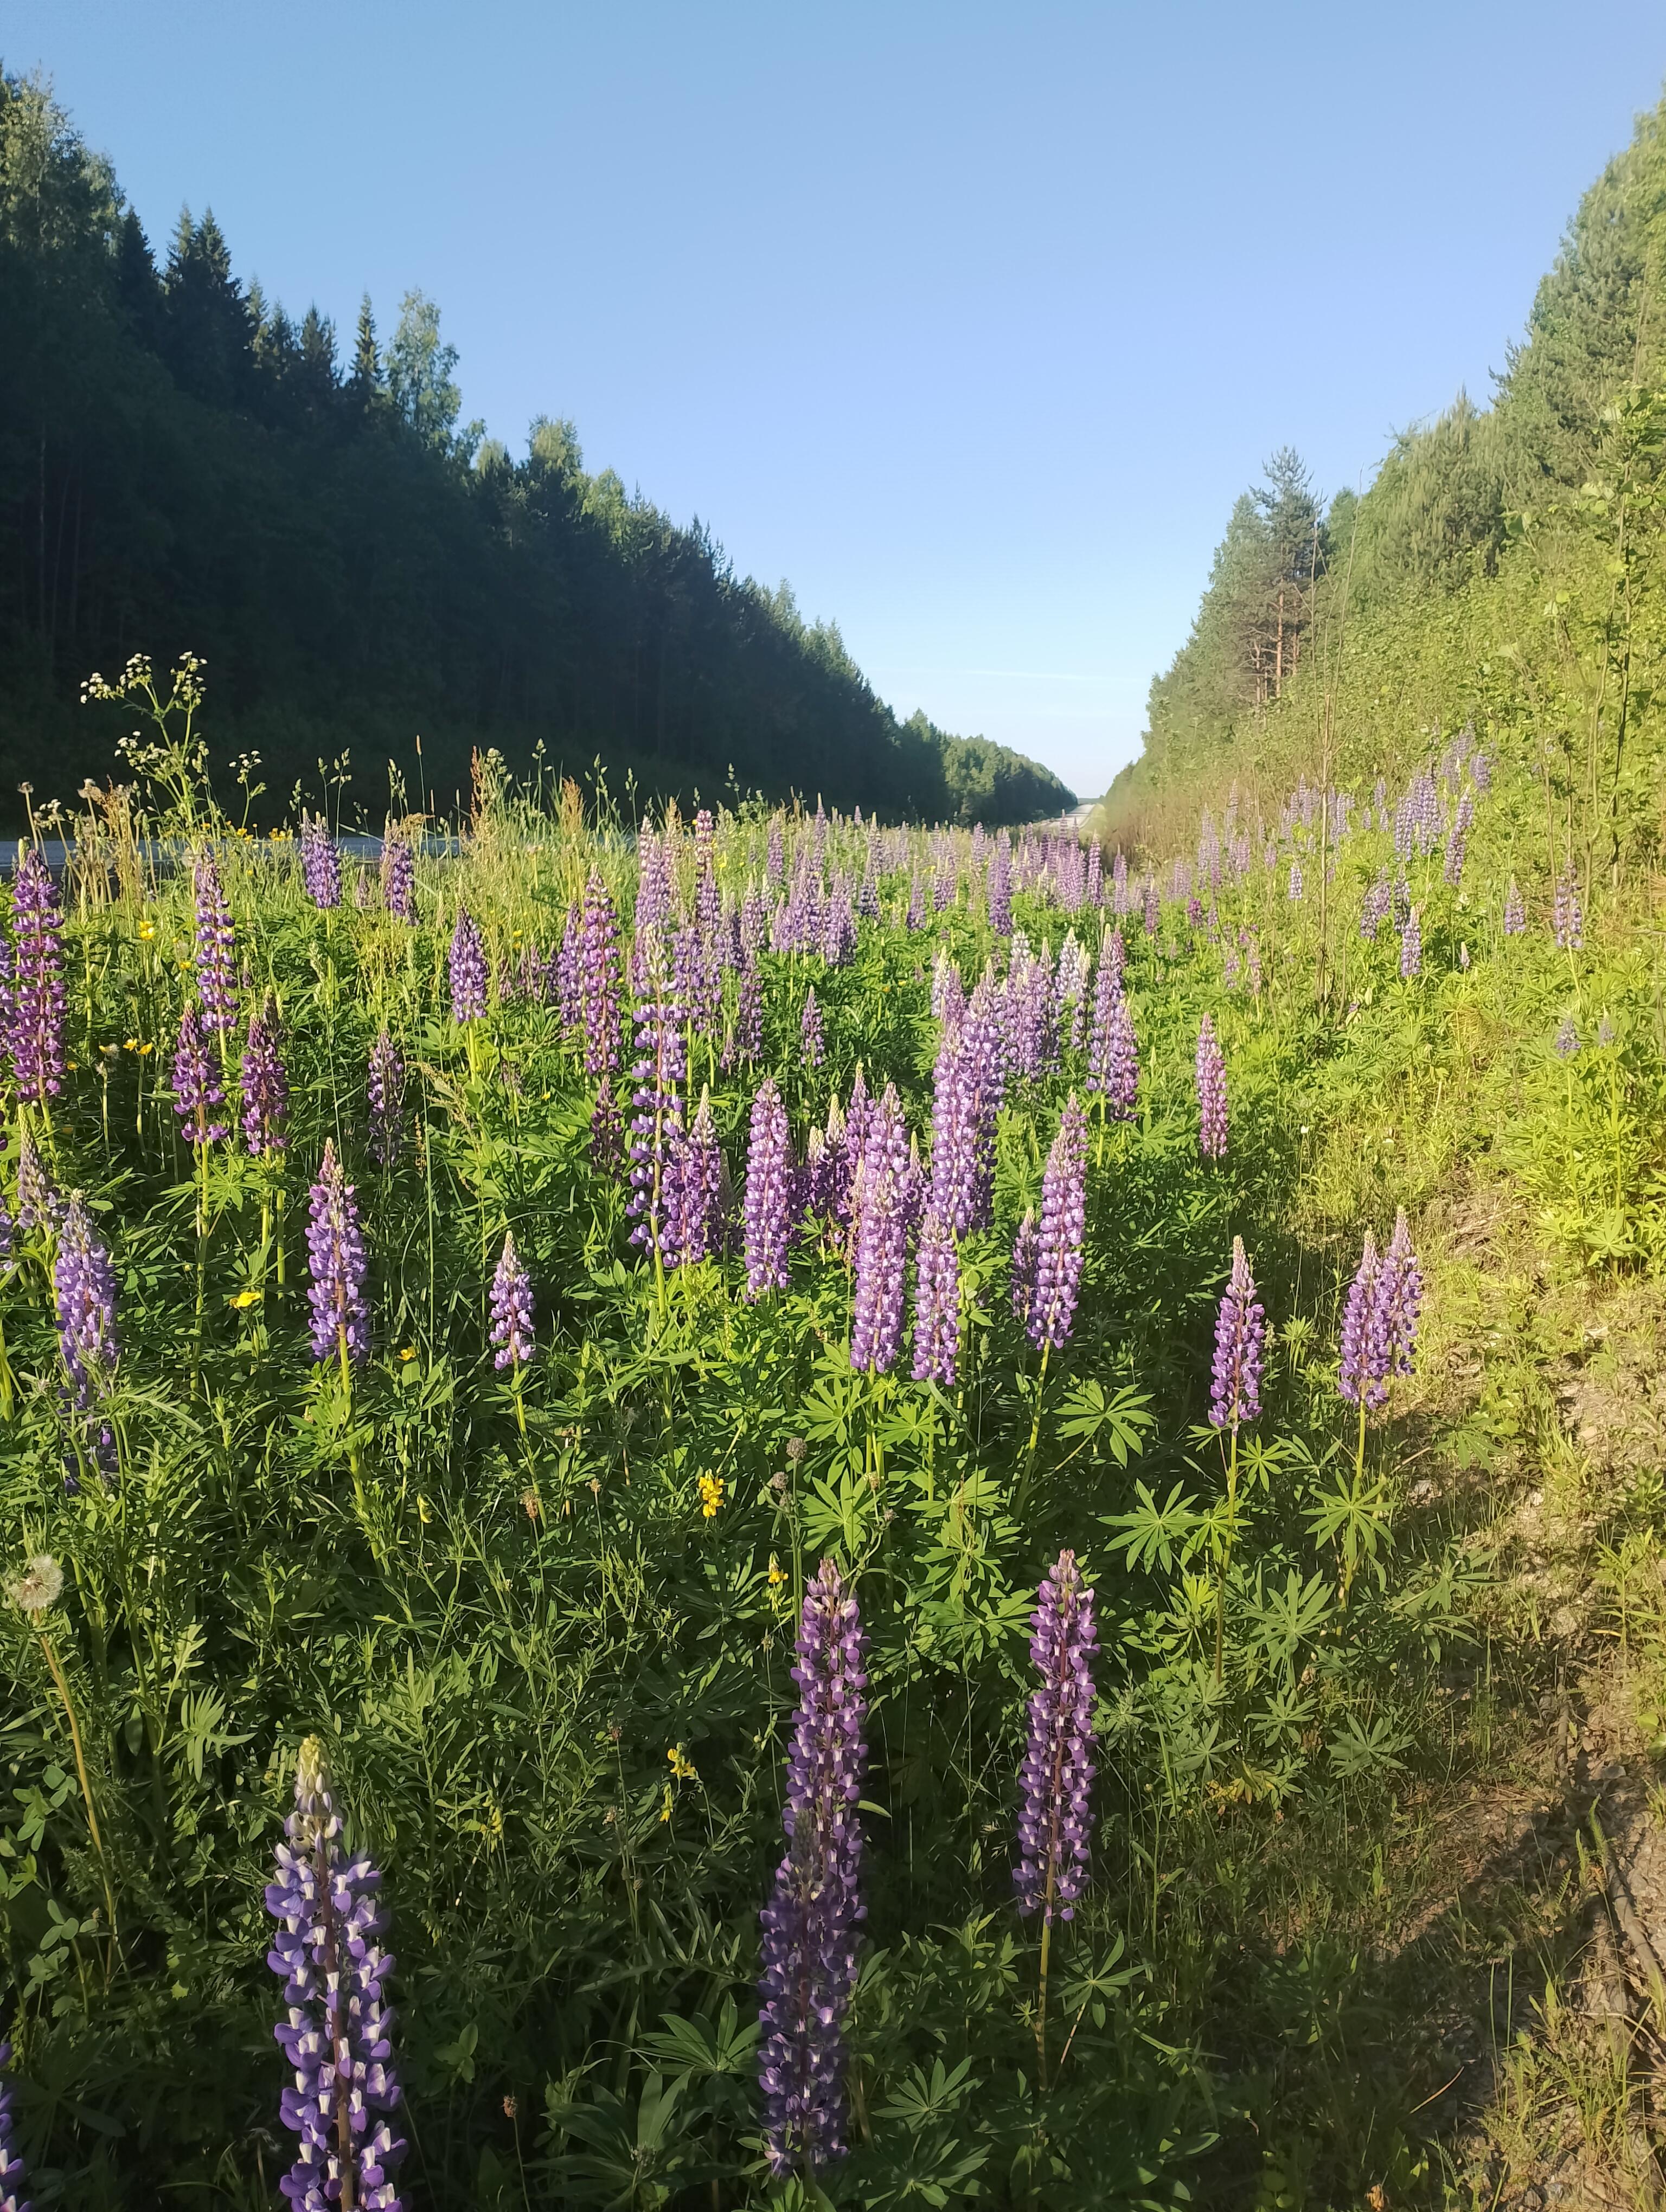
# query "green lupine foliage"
(553, 1687)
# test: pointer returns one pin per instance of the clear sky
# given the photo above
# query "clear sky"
(968, 320)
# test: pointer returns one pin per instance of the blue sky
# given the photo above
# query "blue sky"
(969, 321)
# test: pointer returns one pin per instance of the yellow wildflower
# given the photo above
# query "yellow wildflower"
(682, 1769)
(147, 931)
(777, 1572)
(247, 1298)
(711, 1495)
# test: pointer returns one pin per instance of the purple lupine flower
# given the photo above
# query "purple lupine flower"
(216, 964)
(653, 909)
(265, 1087)
(746, 1042)
(1211, 1093)
(1399, 1299)
(385, 1094)
(656, 1116)
(1295, 889)
(84, 1285)
(1464, 821)
(1059, 1236)
(937, 1303)
(1107, 994)
(39, 1205)
(36, 1029)
(1515, 913)
(198, 1095)
(511, 1309)
(916, 916)
(1411, 947)
(809, 1026)
(1057, 1775)
(838, 935)
(399, 876)
(1568, 920)
(774, 865)
(881, 1239)
(336, 1261)
(1240, 1340)
(694, 1188)
(1567, 1041)
(1154, 907)
(1026, 1250)
(1121, 1079)
(599, 979)
(998, 888)
(320, 862)
(768, 1205)
(338, 2038)
(13, 2173)
(1361, 1371)
(468, 969)
(809, 1924)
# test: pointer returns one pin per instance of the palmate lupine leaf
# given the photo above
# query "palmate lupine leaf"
(1157, 1535)
(1118, 1423)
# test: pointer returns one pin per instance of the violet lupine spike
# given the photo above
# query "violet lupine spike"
(1026, 1247)
(916, 916)
(337, 1264)
(811, 1923)
(1567, 1040)
(810, 1028)
(1568, 920)
(998, 889)
(1056, 1779)
(265, 1087)
(13, 2172)
(599, 979)
(1399, 1300)
(1515, 912)
(36, 1031)
(881, 1240)
(198, 1098)
(1360, 1369)
(84, 1288)
(768, 1205)
(1240, 1346)
(656, 1116)
(385, 1094)
(511, 1309)
(1295, 887)
(399, 876)
(217, 965)
(1211, 1093)
(468, 969)
(694, 1188)
(320, 862)
(39, 1205)
(337, 2036)
(1060, 1233)
(1411, 947)
(937, 1303)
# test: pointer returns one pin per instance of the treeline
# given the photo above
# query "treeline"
(1504, 569)
(183, 465)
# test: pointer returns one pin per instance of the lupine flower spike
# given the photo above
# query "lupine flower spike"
(811, 1923)
(320, 862)
(1211, 1093)
(468, 969)
(338, 2037)
(336, 1259)
(399, 876)
(1057, 1775)
(384, 1096)
(1235, 1399)
(265, 1088)
(36, 1029)
(766, 1207)
(511, 1309)
(216, 967)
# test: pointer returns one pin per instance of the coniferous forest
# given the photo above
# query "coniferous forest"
(185, 467)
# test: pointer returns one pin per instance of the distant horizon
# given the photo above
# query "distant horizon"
(963, 329)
